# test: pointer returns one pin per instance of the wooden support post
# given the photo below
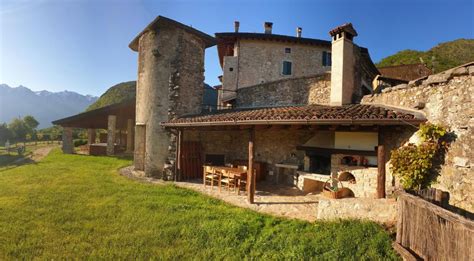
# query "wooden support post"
(250, 173)
(381, 171)
(179, 141)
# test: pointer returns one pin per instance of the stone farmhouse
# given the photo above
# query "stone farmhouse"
(294, 110)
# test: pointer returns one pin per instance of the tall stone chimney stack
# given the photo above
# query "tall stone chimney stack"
(299, 30)
(236, 26)
(342, 67)
(268, 27)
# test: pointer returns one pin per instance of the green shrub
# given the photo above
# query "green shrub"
(79, 142)
(414, 164)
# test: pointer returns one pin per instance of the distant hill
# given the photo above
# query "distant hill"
(127, 90)
(439, 58)
(115, 94)
(45, 106)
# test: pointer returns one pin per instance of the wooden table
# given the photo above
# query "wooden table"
(236, 173)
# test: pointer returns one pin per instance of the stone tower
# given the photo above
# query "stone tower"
(342, 68)
(170, 84)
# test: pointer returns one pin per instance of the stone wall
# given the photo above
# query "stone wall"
(271, 146)
(170, 84)
(186, 88)
(313, 89)
(378, 210)
(446, 99)
(262, 61)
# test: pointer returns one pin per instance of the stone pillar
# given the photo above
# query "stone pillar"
(129, 136)
(90, 136)
(139, 151)
(68, 146)
(112, 120)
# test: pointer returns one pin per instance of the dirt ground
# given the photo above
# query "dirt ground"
(37, 155)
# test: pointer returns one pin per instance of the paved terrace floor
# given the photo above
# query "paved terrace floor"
(283, 201)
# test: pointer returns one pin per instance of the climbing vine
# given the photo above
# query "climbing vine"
(414, 164)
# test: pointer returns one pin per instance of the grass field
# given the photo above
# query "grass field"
(72, 206)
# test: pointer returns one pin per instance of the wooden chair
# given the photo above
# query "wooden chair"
(210, 176)
(229, 181)
(242, 181)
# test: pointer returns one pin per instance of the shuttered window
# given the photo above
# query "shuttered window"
(286, 68)
(326, 58)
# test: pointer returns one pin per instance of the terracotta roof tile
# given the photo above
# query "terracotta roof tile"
(309, 114)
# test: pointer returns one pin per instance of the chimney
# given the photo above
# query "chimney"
(299, 30)
(268, 27)
(236, 26)
(342, 64)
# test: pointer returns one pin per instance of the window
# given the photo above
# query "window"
(286, 68)
(326, 58)
(287, 50)
(231, 69)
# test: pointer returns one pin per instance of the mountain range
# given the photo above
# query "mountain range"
(45, 106)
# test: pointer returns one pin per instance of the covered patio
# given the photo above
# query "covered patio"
(291, 151)
(117, 119)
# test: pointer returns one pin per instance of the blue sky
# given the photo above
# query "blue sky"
(82, 45)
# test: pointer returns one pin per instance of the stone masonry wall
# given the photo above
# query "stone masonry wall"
(170, 79)
(313, 89)
(447, 99)
(186, 88)
(262, 61)
(378, 210)
(365, 185)
(271, 146)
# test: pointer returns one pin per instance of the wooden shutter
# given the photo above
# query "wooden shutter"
(286, 68)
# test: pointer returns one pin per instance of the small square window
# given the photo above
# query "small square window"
(286, 68)
(326, 58)
(231, 69)
(287, 50)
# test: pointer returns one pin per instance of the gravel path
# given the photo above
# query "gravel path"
(36, 156)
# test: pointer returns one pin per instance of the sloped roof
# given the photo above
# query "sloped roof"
(161, 20)
(307, 114)
(405, 72)
(98, 118)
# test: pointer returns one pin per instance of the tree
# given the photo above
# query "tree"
(5, 133)
(31, 122)
(19, 129)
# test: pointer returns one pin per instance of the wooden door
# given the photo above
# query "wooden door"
(191, 160)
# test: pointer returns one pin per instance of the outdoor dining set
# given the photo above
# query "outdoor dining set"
(230, 177)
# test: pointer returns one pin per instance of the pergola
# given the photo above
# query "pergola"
(116, 117)
(356, 117)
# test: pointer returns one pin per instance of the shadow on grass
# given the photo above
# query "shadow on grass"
(8, 161)
(119, 156)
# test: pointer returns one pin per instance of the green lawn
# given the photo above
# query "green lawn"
(72, 206)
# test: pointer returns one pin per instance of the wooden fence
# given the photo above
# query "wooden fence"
(428, 231)
(14, 146)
